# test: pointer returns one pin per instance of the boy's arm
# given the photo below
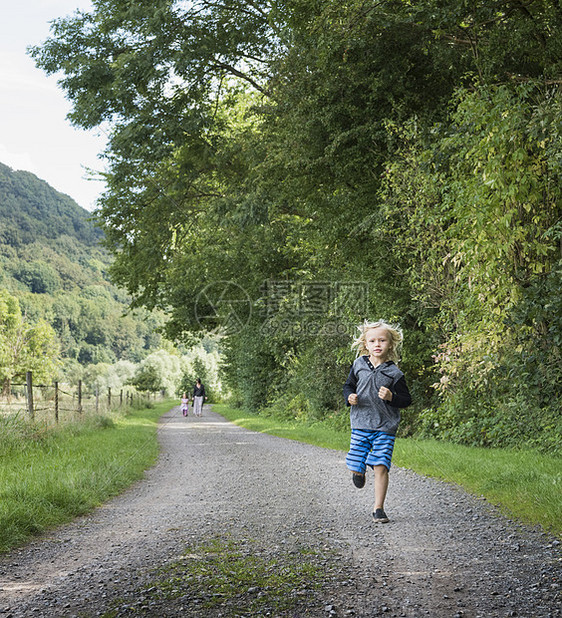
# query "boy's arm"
(350, 386)
(401, 397)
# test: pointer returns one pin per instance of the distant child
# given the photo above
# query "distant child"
(376, 390)
(184, 404)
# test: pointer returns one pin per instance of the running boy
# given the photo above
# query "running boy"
(376, 390)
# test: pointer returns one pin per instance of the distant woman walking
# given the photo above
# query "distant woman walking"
(198, 396)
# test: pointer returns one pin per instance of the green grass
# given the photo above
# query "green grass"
(525, 484)
(238, 577)
(49, 475)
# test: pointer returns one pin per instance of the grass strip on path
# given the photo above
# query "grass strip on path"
(524, 484)
(228, 577)
(50, 476)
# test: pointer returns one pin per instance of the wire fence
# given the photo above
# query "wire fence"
(61, 401)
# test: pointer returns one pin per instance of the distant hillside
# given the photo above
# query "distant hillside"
(51, 259)
(30, 209)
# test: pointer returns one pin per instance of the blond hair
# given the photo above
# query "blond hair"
(395, 335)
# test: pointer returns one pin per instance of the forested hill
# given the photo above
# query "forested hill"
(53, 263)
(30, 209)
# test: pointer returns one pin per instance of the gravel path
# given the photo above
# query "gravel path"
(444, 553)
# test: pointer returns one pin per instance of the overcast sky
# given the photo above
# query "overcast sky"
(34, 132)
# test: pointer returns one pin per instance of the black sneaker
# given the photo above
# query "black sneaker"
(380, 517)
(358, 480)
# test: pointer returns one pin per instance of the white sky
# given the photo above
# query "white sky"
(34, 132)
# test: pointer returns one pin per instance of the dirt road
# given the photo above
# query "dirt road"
(444, 553)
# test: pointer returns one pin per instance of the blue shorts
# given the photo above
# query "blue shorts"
(369, 448)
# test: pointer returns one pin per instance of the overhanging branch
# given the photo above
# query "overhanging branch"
(230, 69)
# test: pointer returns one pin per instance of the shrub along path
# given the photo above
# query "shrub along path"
(232, 522)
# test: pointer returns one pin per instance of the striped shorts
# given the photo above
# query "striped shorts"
(369, 448)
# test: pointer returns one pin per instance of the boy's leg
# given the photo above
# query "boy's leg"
(358, 451)
(380, 458)
(381, 486)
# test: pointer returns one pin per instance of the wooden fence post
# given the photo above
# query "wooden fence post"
(79, 396)
(121, 398)
(109, 397)
(29, 382)
(56, 402)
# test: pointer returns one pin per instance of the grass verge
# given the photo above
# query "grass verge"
(49, 476)
(235, 578)
(524, 484)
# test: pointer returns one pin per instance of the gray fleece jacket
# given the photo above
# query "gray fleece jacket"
(371, 412)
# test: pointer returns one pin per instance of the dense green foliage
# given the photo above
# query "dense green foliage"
(334, 161)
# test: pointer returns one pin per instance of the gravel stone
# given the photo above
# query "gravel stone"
(442, 550)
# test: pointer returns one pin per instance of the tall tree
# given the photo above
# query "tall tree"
(24, 346)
